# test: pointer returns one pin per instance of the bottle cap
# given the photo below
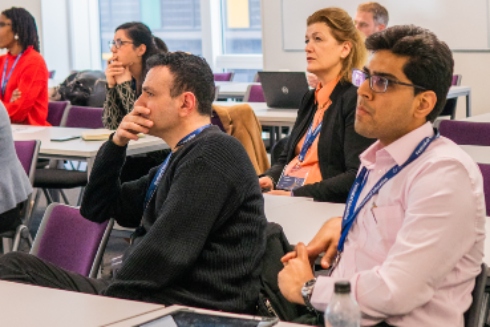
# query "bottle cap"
(342, 287)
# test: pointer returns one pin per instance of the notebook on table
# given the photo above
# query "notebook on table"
(283, 89)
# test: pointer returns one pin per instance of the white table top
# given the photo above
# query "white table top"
(301, 218)
(456, 91)
(131, 322)
(268, 116)
(232, 89)
(26, 306)
(76, 148)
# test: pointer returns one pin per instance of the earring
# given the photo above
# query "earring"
(16, 36)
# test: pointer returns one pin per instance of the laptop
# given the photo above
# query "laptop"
(283, 89)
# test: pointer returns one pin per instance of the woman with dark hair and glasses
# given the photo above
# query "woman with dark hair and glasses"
(133, 43)
(321, 157)
(24, 75)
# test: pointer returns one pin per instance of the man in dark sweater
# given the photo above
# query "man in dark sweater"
(200, 215)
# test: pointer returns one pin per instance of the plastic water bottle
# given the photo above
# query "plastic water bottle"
(343, 310)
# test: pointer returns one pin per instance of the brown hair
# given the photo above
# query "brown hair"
(343, 30)
(380, 14)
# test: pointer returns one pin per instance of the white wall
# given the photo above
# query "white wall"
(56, 37)
(473, 66)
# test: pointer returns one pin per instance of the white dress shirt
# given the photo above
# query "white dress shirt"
(416, 247)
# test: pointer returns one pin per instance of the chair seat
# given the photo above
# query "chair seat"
(59, 178)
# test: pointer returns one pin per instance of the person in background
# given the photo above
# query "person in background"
(133, 44)
(412, 236)
(15, 186)
(321, 157)
(200, 215)
(371, 17)
(24, 75)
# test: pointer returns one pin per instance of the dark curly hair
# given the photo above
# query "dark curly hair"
(23, 25)
(191, 74)
(430, 62)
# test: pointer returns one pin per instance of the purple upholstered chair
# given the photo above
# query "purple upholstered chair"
(27, 152)
(224, 77)
(485, 171)
(70, 241)
(466, 132)
(56, 109)
(254, 93)
(84, 117)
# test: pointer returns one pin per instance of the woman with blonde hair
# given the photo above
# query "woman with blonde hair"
(321, 157)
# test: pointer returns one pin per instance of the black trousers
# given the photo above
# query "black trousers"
(9, 220)
(28, 269)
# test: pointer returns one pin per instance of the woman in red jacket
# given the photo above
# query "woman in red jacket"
(24, 76)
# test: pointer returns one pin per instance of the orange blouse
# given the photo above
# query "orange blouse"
(310, 168)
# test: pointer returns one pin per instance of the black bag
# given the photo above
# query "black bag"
(78, 87)
(271, 302)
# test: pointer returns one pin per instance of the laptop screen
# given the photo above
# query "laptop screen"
(283, 89)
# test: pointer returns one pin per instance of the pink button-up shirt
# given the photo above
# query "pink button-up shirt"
(416, 247)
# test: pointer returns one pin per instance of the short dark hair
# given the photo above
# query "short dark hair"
(430, 62)
(191, 74)
(140, 34)
(24, 26)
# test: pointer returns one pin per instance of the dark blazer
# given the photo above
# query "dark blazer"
(339, 145)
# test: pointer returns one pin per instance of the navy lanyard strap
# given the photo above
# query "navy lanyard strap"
(309, 139)
(163, 167)
(351, 211)
(5, 77)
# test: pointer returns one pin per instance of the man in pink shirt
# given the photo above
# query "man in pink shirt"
(411, 240)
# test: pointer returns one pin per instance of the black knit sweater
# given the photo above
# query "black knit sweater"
(205, 225)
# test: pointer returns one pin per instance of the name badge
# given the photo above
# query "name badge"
(289, 183)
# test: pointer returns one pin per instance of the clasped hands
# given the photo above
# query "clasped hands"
(298, 263)
(116, 73)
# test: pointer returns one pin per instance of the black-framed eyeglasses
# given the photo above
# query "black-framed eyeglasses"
(3, 24)
(378, 84)
(118, 43)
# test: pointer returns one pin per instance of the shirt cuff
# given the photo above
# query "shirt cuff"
(322, 293)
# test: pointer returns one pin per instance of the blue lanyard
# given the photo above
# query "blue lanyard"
(158, 176)
(5, 79)
(309, 139)
(351, 211)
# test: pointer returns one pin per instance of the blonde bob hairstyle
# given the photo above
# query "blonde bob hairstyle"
(343, 30)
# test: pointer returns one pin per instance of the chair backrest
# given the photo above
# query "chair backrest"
(475, 316)
(485, 171)
(27, 152)
(465, 132)
(254, 93)
(224, 77)
(56, 109)
(70, 241)
(450, 106)
(84, 117)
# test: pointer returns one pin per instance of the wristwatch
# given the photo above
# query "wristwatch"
(307, 291)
